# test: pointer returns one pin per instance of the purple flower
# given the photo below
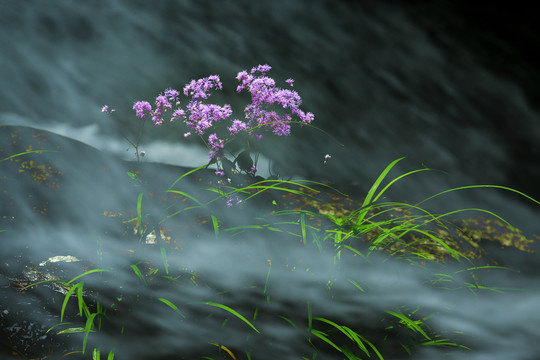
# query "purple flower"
(281, 129)
(308, 118)
(202, 116)
(142, 108)
(261, 68)
(237, 127)
(220, 172)
(199, 89)
(162, 104)
(233, 200)
(215, 144)
(178, 113)
(265, 95)
(157, 120)
(105, 108)
(172, 94)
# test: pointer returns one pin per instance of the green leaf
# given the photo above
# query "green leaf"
(71, 330)
(411, 324)
(88, 328)
(172, 306)
(87, 273)
(164, 257)
(232, 311)
(216, 225)
(186, 174)
(186, 195)
(27, 152)
(138, 273)
(66, 300)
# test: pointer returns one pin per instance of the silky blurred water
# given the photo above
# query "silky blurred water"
(386, 80)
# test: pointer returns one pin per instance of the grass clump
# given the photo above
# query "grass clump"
(402, 231)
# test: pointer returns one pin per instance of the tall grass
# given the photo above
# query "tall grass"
(404, 231)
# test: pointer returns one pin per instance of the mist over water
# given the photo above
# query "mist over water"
(386, 80)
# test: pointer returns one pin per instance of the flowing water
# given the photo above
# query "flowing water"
(437, 83)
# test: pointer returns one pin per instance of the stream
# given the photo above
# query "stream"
(447, 85)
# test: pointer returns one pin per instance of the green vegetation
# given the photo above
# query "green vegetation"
(406, 232)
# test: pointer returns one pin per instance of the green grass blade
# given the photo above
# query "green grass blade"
(481, 186)
(164, 257)
(88, 328)
(374, 349)
(411, 324)
(323, 337)
(45, 281)
(216, 226)
(74, 330)
(303, 227)
(27, 152)
(378, 182)
(186, 174)
(87, 273)
(232, 311)
(356, 285)
(66, 300)
(183, 193)
(287, 320)
(172, 306)
(80, 301)
(138, 273)
(353, 336)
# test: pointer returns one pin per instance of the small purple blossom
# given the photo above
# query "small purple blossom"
(162, 102)
(186, 135)
(172, 94)
(253, 170)
(216, 145)
(177, 114)
(261, 68)
(220, 172)
(142, 108)
(265, 94)
(105, 108)
(203, 116)
(157, 120)
(233, 200)
(199, 89)
(237, 127)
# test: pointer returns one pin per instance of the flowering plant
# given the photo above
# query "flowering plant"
(203, 119)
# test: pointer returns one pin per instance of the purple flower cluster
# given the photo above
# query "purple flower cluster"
(233, 200)
(163, 103)
(264, 93)
(216, 145)
(200, 116)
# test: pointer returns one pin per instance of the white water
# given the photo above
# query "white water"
(374, 77)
